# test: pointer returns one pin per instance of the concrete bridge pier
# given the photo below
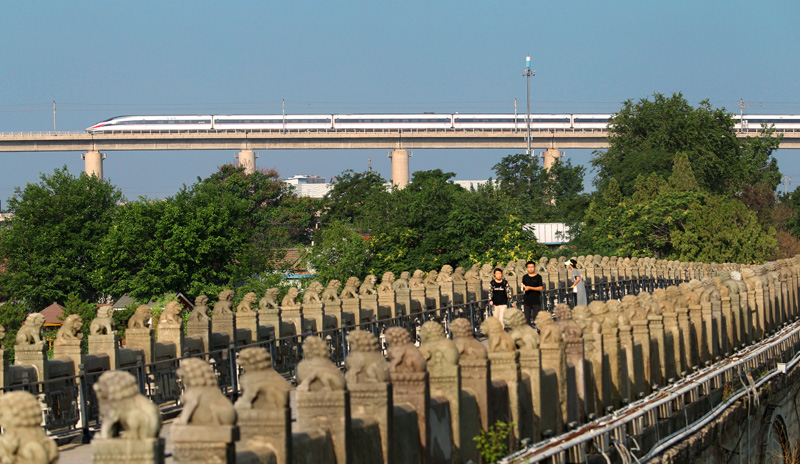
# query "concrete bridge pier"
(549, 157)
(400, 174)
(247, 160)
(93, 163)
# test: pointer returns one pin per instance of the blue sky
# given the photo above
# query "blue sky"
(102, 59)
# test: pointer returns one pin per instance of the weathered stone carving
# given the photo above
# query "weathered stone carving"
(365, 363)
(446, 274)
(23, 440)
(262, 387)
(70, 330)
(290, 300)
(486, 272)
(402, 282)
(417, 280)
(350, 289)
(403, 356)
(104, 322)
(474, 273)
(270, 300)
(171, 314)
(316, 372)
(203, 403)
(432, 277)
(225, 303)
(469, 348)
(524, 336)
(141, 318)
(549, 331)
(246, 305)
(313, 293)
(30, 332)
(499, 339)
(331, 294)
(387, 282)
(459, 275)
(438, 350)
(125, 412)
(200, 310)
(368, 287)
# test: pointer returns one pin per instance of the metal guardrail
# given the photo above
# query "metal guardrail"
(615, 434)
(70, 403)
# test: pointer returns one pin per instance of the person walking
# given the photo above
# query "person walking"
(532, 285)
(501, 295)
(577, 285)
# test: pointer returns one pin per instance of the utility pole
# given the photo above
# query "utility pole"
(515, 113)
(742, 106)
(54, 115)
(528, 73)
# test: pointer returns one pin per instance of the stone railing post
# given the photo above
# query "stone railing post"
(409, 377)
(262, 410)
(475, 383)
(441, 356)
(575, 401)
(367, 380)
(553, 375)
(322, 400)
(205, 431)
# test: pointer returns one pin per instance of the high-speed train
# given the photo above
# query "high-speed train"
(366, 122)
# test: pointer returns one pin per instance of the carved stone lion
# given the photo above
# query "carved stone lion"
(368, 287)
(350, 289)
(262, 387)
(469, 348)
(331, 294)
(446, 274)
(313, 293)
(524, 336)
(387, 282)
(171, 314)
(432, 278)
(225, 303)
(70, 330)
(104, 322)
(203, 403)
(200, 310)
(23, 439)
(549, 331)
(486, 272)
(29, 333)
(365, 363)
(417, 280)
(403, 356)
(499, 339)
(316, 372)
(473, 275)
(141, 318)
(246, 305)
(439, 351)
(402, 282)
(459, 275)
(270, 300)
(290, 300)
(124, 409)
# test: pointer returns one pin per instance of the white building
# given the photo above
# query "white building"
(549, 233)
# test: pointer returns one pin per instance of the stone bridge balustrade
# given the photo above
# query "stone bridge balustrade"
(425, 404)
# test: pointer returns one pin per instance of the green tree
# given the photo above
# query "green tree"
(645, 136)
(552, 195)
(339, 252)
(354, 198)
(49, 244)
(190, 242)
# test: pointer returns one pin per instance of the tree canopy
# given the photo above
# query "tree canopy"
(645, 136)
(49, 244)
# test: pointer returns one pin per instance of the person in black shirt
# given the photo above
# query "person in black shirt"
(501, 295)
(532, 286)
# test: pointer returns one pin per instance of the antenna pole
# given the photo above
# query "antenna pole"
(528, 73)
